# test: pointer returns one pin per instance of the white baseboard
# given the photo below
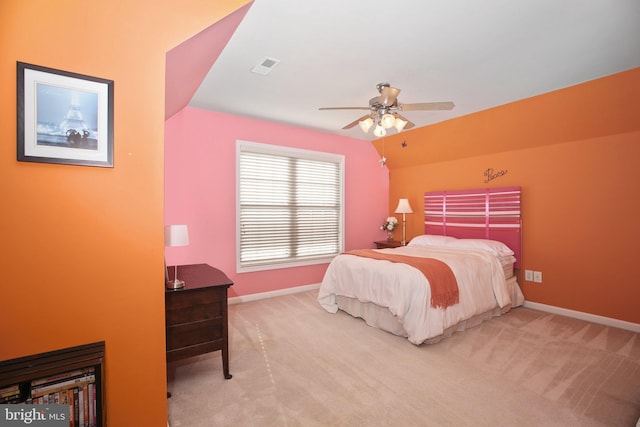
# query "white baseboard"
(607, 321)
(271, 294)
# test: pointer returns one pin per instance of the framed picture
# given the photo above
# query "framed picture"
(64, 117)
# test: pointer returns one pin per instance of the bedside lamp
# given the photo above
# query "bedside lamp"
(404, 208)
(176, 235)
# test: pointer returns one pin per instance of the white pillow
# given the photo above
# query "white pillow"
(492, 246)
(431, 240)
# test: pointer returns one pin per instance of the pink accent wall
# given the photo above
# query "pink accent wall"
(200, 174)
(188, 63)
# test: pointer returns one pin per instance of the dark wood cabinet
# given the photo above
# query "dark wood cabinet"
(196, 315)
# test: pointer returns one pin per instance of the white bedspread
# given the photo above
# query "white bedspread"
(406, 293)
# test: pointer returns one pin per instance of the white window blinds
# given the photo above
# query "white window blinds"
(290, 205)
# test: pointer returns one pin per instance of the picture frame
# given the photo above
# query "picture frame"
(63, 117)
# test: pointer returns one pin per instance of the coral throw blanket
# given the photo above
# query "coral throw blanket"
(444, 287)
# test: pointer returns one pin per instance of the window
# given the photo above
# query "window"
(289, 206)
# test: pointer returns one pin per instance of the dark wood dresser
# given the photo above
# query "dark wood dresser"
(196, 315)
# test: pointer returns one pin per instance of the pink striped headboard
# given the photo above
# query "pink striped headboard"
(487, 213)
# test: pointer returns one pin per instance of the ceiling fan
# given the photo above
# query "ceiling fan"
(383, 111)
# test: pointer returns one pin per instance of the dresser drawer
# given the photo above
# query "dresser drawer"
(188, 334)
(184, 307)
(195, 350)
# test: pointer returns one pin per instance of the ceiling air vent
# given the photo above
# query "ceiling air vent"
(265, 66)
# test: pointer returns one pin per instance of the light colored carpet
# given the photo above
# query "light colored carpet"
(294, 364)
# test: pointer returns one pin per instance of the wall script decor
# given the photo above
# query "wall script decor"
(490, 174)
(64, 117)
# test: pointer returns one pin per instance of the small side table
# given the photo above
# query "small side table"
(383, 244)
(196, 315)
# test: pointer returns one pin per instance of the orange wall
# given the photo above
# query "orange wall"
(579, 176)
(83, 257)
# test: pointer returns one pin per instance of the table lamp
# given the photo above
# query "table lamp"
(176, 235)
(404, 208)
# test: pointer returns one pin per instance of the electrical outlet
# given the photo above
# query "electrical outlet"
(537, 276)
(528, 275)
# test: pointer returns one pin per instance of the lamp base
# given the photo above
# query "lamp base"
(175, 284)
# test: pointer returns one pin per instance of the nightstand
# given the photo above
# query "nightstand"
(382, 244)
(196, 315)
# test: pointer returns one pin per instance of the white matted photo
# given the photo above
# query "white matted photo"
(64, 117)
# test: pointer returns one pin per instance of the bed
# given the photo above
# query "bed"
(471, 237)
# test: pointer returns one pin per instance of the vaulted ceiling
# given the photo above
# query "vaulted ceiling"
(333, 53)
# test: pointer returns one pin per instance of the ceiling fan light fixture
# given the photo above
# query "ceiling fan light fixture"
(366, 124)
(379, 131)
(382, 111)
(400, 124)
(387, 121)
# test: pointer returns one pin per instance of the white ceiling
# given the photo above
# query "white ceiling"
(478, 54)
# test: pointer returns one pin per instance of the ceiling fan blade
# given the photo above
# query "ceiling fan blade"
(355, 122)
(427, 106)
(409, 124)
(388, 95)
(343, 108)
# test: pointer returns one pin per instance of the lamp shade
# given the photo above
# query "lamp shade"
(400, 124)
(387, 121)
(366, 124)
(176, 235)
(404, 207)
(379, 131)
